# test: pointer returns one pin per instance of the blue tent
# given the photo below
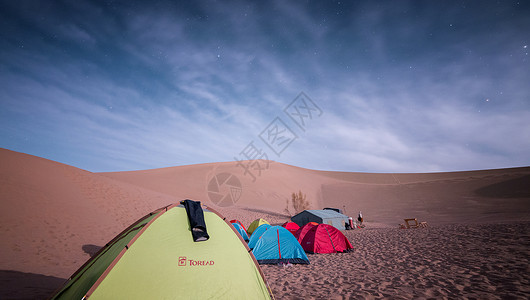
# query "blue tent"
(278, 245)
(254, 238)
(241, 231)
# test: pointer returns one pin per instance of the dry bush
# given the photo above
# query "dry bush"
(298, 203)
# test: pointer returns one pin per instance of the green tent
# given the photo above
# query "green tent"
(255, 224)
(156, 258)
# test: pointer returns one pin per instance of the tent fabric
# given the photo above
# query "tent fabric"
(238, 222)
(241, 231)
(291, 226)
(255, 224)
(300, 233)
(156, 258)
(81, 281)
(278, 245)
(329, 217)
(254, 238)
(323, 238)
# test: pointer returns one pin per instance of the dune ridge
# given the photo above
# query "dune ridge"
(440, 198)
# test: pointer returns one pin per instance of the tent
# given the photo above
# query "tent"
(335, 209)
(255, 224)
(238, 222)
(291, 226)
(327, 216)
(241, 231)
(254, 238)
(300, 233)
(323, 238)
(278, 245)
(157, 258)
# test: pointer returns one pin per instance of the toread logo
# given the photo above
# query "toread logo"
(184, 261)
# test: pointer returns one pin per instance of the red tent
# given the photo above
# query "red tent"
(291, 226)
(323, 238)
(300, 233)
(238, 222)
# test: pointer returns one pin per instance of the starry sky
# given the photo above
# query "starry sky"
(392, 86)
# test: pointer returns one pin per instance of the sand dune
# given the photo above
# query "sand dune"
(269, 191)
(386, 199)
(463, 199)
(49, 211)
(54, 216)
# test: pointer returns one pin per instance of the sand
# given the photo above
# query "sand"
(54, 216)
(448, 262)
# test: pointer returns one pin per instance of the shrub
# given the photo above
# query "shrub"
(298, 203)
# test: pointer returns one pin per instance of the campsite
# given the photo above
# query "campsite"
(281, 149)
(47, 237)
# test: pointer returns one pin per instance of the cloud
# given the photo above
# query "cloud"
(135, 86)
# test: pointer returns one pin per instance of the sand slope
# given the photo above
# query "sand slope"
(386, 199)
(52, 214)
(270, 191)
(461, 197)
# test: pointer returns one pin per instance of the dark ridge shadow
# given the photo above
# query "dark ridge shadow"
(19, 285)
(513, 188)
(91, 249)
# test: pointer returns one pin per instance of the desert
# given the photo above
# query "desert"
(127, 126)
(476, 245)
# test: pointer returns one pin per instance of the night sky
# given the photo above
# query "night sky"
(396, 86)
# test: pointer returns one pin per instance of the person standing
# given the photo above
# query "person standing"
(360, 218)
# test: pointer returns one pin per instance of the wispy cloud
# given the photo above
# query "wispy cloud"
(404, 88)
